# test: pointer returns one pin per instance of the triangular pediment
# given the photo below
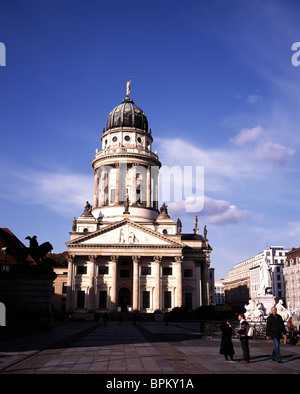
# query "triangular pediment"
(125, 233)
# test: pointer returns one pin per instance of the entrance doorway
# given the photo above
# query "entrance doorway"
(124, 298)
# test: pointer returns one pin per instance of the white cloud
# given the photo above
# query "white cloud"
(217, 212)
(274, 153)
(61, 192)
(247, 136)
(267, 151)
(218, 163)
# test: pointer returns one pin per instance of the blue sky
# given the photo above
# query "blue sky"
(216, 82)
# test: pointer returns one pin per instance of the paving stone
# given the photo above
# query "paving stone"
(137, 349)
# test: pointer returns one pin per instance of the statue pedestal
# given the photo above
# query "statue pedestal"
(267, 302)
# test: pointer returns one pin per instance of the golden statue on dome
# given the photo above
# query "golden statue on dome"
(128, 88)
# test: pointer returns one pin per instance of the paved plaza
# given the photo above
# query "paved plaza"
(144, 348)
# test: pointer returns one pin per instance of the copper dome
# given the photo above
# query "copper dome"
(127, 114)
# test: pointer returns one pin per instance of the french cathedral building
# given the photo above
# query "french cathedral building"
(126, 253)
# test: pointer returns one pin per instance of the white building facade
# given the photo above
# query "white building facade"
(124, 252)
(274, 257)
(219, 292)
(292, 279)
(253, 277)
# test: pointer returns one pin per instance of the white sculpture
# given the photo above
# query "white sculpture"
(254, 311)
(258, 313)
(264, 276)
(282, 311)
(121, 236)
(249, 310)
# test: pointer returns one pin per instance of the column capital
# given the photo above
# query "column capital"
(157, 259)
(92, 258)
(71, 258)
(136, 259)
(114, 258)
(178, 259)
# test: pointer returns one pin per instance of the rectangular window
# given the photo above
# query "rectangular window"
(102, 299)
(113, 195)
(103, 270)
(80, 299)
(81, 270)
(167, 270)
(167, 299)
(146, 270)
(146, 299)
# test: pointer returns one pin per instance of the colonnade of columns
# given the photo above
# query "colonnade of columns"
(148, 185)
(112, 290)
(157, 282)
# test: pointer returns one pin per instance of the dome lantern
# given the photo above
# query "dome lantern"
(127, 114)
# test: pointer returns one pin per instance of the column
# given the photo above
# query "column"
(117, 201)
(102, 193)
(198, 284)
(135, 291)
(69, 303)
(178, 281)
(157, 260)
(133, 191)
(205, 283)
(154, 171)
(122, 182)
(113, 293)
(96, 189)
(91, 301)
(148, 204)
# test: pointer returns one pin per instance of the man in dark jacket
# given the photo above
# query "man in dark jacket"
(275, 329)
(244, 338)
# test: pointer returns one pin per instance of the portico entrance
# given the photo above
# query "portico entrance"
(124, 299)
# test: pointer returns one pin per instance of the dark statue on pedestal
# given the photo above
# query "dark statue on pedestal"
(36, 251)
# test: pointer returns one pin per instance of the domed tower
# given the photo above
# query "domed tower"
(126, 169)
(124, 252)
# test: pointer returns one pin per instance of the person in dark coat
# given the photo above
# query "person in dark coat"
(226, 347)
(275, 328)
(244, 338)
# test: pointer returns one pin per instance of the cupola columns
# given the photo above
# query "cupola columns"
(116, 182)
(148, 187)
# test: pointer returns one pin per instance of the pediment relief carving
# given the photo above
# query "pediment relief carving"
(125, 233)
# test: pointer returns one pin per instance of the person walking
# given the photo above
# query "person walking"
(275, 328)
(244, 338)
(226, 347)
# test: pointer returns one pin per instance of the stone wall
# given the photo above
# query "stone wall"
(28, 289)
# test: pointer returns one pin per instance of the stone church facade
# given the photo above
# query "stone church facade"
(125, 253)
